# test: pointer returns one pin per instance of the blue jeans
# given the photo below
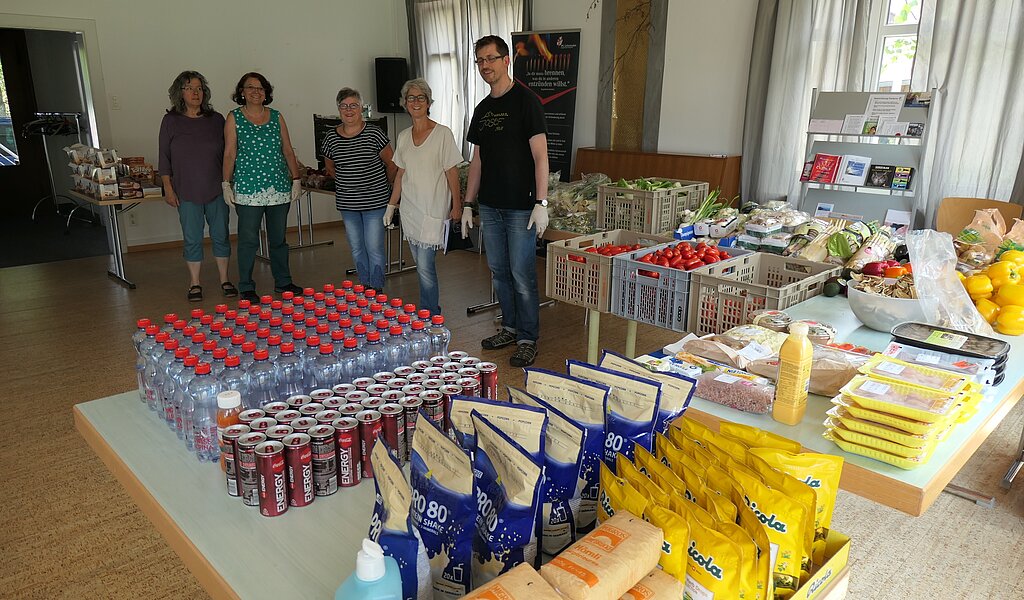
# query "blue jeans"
(427, 272)
(194, 217)
(365, 232)
(511, 251)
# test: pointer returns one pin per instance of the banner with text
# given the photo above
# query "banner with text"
(547, 63)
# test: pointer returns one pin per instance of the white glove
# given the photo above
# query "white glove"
(538, 217)
(229, 194)
(389, 214)
(467, 221)
(296, 189)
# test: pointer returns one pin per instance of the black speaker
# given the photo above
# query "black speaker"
(392, 73)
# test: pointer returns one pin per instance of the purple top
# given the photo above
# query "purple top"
(192, 154)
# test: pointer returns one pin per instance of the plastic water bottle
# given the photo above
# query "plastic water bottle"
(217, 366)
(352, 363)
(174, 367)
(391, 315)
(275, 310)
(182, 400)
(250, 331)
(299, 339)
(262, 337)
(326, 369)
(140, 333)
(169, 320)
(290, 374)
(205, 324)
(248, 354)
(262, 381)
(233, 377)
(195, 316)
(273, 347)
(376, 577)
(152, 374)
(375, 355)
(440, 336)
(397, 348)
(419, 342)
(383, 326)
(406, 322)
(204, 389)
(345, 324)
(359, 333)
(309, 360)
(143, 350)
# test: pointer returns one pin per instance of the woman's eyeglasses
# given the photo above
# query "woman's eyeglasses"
(253, 88)
(191, 89)
(420, 98)
(350, 106)
(486, 60)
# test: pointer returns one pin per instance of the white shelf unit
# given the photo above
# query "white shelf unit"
(901, 151)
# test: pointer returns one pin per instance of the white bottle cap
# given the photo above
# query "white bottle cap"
(798, 329)
(229, 399)
(370, 564)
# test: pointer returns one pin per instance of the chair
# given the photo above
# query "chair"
(956, 213)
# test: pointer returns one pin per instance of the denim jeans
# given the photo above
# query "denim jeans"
(365, 232)
(427, 272)
(249, 218)
(511, 251)
(194, 217)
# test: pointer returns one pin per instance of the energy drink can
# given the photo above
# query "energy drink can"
(346, 435)
(362, 383)
(372, 403)
(392, 418)
(356, 396)
(411, 407)
(325, 459)
(377, 389)
(470, 386)
(417, 378)
(351, 409)
(393, 395)
(245, 463)
(449, 377)
(383, 376)
(303, 424)
(294, 402)
(457, 355)
(439, 359)
(272, 408)
(432, 384)
(285, 417)
(397, 383)
(333, 403)
(452, 367)
(248, 416)
(278, 432)
(343, 388)
(298, 455)
(273, 484)
(229, 438)
(434, 406)
(469, 361)
(488, 379)
(369, 430)
(326, 416)
(310, 410)
(263, 424)
(403, 371)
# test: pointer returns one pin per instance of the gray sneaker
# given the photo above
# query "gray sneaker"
(524, 355)
(502, 339)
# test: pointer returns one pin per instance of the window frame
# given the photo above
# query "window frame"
(885, 30)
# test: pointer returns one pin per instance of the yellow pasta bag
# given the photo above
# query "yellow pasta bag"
(748, 558)
(617, 494)
(758, 438)
(765, 558)
(713, 565)
(783, 519)
(660, 473)
(640, 482)
(677, 537)
(719, 506)
(820, 472)
(795, 490)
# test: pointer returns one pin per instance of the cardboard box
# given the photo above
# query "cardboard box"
(837, 556)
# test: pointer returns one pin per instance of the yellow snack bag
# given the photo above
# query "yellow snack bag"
(640, 482)
(701, 454)
(719, 506)
(720, 481)
(718, 444)
(617, 494)
(748, 558)
(758, 438)
(796, 491)
(713, 565)
(677, 537)
(660, 473)
(765, 559)
(820, 472)
(689, 428)
(783, 519)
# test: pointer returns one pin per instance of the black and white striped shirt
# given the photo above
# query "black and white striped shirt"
(360, 178)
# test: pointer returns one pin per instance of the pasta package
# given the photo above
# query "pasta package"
(820, 472)
(523, 424)
(713, 565)
(518, 583)
(584, 403)
(508, 484)
(758, 438)
(391, 524)
(563, 452)
(618, 495)
(606, 562)
(632, 408)
(628, 471)
(444, 509)
(656, 585)
(677, 537)
(676, 390)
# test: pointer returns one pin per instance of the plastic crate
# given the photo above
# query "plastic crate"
(725, 296)
(583, 278)
(647, 211)
(660, 301)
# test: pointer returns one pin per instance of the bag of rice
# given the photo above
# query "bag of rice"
(631, 408)
(391, 524)
(676, 390)
(757, 438)
(618, 495)
(508, 484)
(524, 424)
(677, 538)
(656, 585)
(518, 583)
(584, 403)
(444, 510)
(713, 568)
(563, 452)
(606, 562)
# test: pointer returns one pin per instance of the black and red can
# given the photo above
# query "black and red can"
(457, 355)
(438, 360)
(346, 436)
(298, 454)
(294, 402)
(369, 431)
(285, 417)
(272, 408)
(245, 464)
(447, 392)
(303, 424)
(326, 416)
(469, 361)
(452, 367)
(372, 403)
(433, 372)
(262, 424)
(320, 395)
(397, 383)
(417, 378)
(470, 386)
(449, 377)
(392, 418)
(393, 395)
(333, 403)
(310, 410)
(325, 459)
(434, 402)
(356, 396)
(488, 379)
(278, 432)
(273, 480)
(473, 372)
(362, 383)
(411, 407)
(403, 371)
(228, 439)
(413, 389)
(433, 384)
(377, 389)
(341, 389)
(248, 416)
(351, 409)
(383, 376)
(421, 365)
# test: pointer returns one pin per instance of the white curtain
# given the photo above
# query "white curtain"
(442, 33)
(973, 54)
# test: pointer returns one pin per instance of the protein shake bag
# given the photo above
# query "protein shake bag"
(444, 509)
(391, 524)
(618, 495)
(563, 453)
(524, 424)
(518, 583)
(656, 585)
(508, 483)
(583, 402)
(631, 409)
(676, 390)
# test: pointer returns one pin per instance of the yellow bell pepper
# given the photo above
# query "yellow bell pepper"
(961, 276)
(1002, 273)
(1010, 294)
(988, 309)
(979, 286)
(1010, 320)
(1014, 256)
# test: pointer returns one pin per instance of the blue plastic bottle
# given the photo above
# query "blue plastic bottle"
(376, 576)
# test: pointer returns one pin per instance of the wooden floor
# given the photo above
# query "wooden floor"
(69, 529)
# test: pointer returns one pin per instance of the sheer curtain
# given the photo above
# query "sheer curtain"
(441, 35)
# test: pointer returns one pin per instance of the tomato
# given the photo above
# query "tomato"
(693, 263)
(710, 259)
(653, 274)
(662, 262)
(646, 258)
(591, 249)
(578, 259)
(676, 263)
(701, 246)
(723, 255)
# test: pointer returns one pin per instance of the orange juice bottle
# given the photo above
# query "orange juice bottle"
(229, 406)
(794, 376)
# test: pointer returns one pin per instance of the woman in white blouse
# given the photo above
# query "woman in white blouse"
(427, 185)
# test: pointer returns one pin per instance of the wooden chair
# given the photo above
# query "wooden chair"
(956, 213)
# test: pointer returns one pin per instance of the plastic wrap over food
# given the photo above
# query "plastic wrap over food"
(939, 291)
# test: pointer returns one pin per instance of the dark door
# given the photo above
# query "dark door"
(24, 183)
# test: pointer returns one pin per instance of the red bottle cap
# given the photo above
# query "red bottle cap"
(180, 324)
(359, 329)
(251, 326)
(287, 347)
(170, 318)
(383, 324)
(181, 352)
(404, 319)
(274, 340)
(396, 330)
(328, 288)
(396, 303)
(142, 323)
(409, 309)
(227, 332)
(152, 330)
(299, 335)
(367, 318)
(276, 305)
(351, 342)
(162, 337)
(287, 295)
(198, 338)
(373, 336)
(220, 353)
(171, 345)
(238, 339)
(437, 320)
(423, 314)
(362, 303)
(338, 336)
(249, 347)
(203, 368)
(312, 341)
(276, 321)
(206, 320)
(345, 323)
(346, 285)
(192, 360)
(417, 325)
(209, 345)
(266, 299)
(390, 313)
(220, 309)
(243, 305)
(189, 331)
(230, 314)
(232, 361)
(288, 327)
(326, 349)
(261, 354)
(196, 313)
(308, 291)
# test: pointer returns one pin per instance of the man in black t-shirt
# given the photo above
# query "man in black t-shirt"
(508, 175)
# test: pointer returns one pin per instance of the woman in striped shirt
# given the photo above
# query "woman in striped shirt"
(358, 156)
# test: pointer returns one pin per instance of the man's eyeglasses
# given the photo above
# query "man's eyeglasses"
(486, 60)
(420, 98)
(350, 106)
(252, 88)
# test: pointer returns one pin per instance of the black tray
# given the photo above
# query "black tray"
(993, 349)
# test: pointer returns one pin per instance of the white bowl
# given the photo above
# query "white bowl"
(882, 313)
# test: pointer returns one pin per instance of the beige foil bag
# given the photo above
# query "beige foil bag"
(657, 585)
(675, 391)
(519, 583)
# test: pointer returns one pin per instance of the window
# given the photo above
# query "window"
(897, 44)
(8, 144)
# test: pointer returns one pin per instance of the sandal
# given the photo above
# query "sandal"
(229, 289)
(195, 293)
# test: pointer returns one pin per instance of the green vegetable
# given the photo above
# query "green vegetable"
(832, 288)
(839, 245)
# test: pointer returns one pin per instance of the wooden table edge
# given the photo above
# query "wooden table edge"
(195, 562)
(113, 201)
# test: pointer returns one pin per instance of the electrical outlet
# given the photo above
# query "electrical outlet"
(131, 219)
(115, 104)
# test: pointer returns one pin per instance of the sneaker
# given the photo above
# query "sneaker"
(291, 287)
(524, 355)
(251, 296)
(502, 339)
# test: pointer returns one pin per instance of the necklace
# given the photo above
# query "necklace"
(263, 110)
(511, 84)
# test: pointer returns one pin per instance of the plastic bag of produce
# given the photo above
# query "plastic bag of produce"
(986, 229)
(943, 298)
(676, 390)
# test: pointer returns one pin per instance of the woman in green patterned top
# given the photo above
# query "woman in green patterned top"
(260, 163)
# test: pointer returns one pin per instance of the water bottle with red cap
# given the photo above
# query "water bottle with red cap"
(177, 330)
(204, 389)
(359, 332)
(175, 364)
(405, 321)
(375, 355)
(326, 369)
(182, 399)
(207, 354)
(397, 348)
(220, 354)
(169, 320)
(194, 317)
(234, 377)
(248, 354)
(142, 351)
(440, 336)
(290, 374)
(274, 346)
(309, 359)
(140, 332)
(351, 363)
(263, 376)
(152, 375)
(419, 342)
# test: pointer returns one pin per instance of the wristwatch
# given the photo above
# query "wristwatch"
(543, 203)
